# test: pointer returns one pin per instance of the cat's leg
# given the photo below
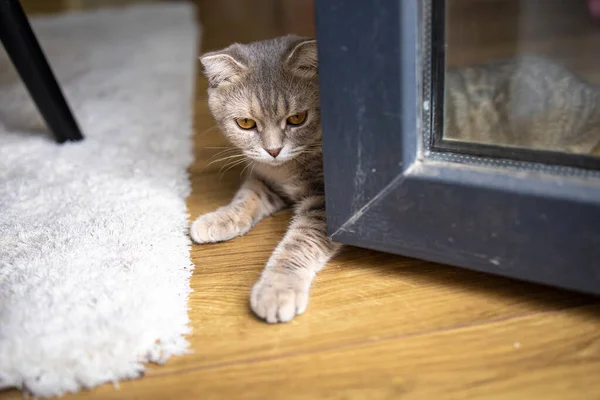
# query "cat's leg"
(253, 202)
(282, 290)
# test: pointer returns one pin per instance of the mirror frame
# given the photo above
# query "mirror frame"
(388, 190)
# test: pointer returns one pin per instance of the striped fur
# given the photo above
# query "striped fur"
(269, 81)
(528, 101)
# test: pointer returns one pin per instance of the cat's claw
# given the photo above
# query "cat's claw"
(278, 297)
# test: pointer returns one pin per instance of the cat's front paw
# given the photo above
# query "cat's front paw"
(218, 226)
(279, 297)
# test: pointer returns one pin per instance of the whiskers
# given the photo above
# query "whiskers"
(251, 164)
(310, 149)
(212, 128)
(232, 164)
(226, 152)
(235, 163)
(229, 155)
(231, 158)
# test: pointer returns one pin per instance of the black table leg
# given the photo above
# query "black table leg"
(29, 60)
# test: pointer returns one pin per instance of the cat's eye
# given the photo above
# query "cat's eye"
(245, 123)
(297, 119)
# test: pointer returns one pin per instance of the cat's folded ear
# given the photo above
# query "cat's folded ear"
(223, 66)
(302, 58)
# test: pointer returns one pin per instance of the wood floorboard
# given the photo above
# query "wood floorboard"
(507, 359)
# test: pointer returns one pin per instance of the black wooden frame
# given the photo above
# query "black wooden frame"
(388, 189)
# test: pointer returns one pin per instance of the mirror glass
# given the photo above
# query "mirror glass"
(522, 73)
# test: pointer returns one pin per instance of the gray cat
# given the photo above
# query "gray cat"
(527, 101)
(265, 99)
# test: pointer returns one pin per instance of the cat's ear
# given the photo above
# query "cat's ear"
(223, 66)
(302, 58)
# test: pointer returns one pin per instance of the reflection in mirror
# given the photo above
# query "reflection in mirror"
(523, 73)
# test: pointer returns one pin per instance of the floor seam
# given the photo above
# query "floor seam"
(253, 360)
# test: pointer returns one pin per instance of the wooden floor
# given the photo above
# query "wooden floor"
(378, 326)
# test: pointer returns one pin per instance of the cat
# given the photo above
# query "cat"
(265, 99)
(527, 101)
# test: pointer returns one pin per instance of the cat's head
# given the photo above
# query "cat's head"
(265, 97)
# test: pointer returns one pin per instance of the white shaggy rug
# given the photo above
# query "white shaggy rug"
(94, 255)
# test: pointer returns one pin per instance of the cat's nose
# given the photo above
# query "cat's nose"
(274, 152)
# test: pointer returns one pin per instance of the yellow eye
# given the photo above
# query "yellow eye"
(297, 119)
(245, 123)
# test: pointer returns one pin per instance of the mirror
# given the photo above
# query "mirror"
(521, 73)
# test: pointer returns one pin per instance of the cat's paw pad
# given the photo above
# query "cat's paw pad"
(217, 226)
(278, 297)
